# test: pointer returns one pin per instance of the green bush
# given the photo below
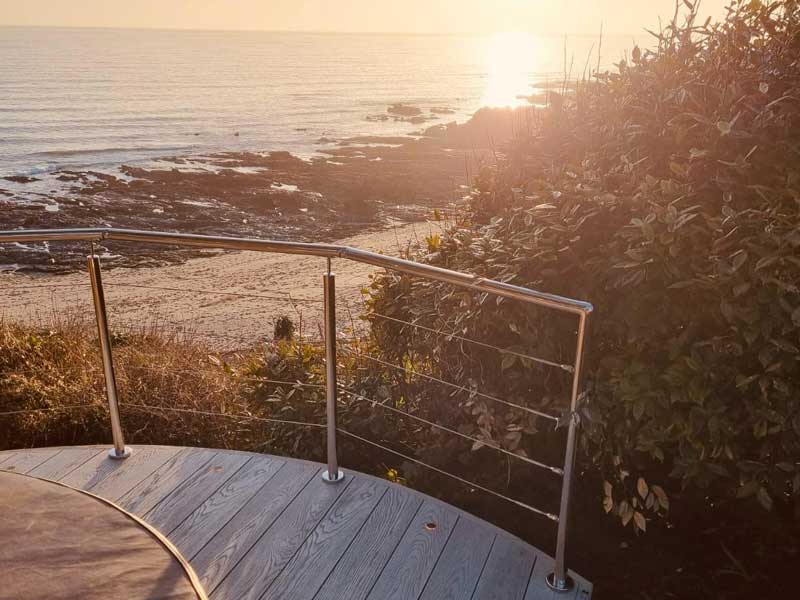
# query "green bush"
(668, 194)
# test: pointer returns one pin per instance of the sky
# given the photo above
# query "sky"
(557, 17)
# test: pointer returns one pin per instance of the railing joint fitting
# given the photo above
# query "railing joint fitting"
(568, 417)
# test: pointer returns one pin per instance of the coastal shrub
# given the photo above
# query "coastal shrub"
(666, 192)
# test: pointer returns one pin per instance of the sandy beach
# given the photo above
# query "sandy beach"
(229, 301)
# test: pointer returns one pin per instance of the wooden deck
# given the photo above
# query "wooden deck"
(257, 527)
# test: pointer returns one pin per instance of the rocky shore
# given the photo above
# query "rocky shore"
(349, 186)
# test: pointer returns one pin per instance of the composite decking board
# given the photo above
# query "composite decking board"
(271, 529)
(507, 571)
(64, 462)
(461, 563)
(119, 482)
(275, 548)
(362, 563)
(111, 477)
(205, 523)
(305, 573)
(161, 482)
(190, 494)
(407, 571)
(25, 461)
(4, 456)
(226, 549)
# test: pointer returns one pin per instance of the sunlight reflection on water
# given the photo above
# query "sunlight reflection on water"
(511, 60)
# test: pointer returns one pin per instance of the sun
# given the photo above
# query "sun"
(511, 59)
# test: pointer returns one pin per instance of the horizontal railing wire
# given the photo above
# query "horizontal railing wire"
(131, 370)
(24, 411)
(179, 328)
(286, 298)
(544, 361)
(467, 482)
(254, 378)
(456, 386)
(208, 413)
(48, 286)
(189, 329)
(414, 417)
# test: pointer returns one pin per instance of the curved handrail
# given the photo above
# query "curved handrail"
(473, 282)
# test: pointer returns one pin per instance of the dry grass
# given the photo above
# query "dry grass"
(43, 371)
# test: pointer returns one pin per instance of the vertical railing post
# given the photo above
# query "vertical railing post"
(332, 474)
(559, 580)
(120, 450)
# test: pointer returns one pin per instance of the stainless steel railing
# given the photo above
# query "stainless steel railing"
(559, 579)
(120, 450)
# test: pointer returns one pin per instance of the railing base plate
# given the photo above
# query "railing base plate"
(112, 453)
(327, 478)
(550, 580)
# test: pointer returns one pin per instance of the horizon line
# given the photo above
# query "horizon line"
(311, 31)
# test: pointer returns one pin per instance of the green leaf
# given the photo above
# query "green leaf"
(641, 487)
(640, 521)
(638, 410)
(741, 288)
(678, 169)
(747, 490)
(766, 262)
(508, 361)
(739, 259)
(764, 499)
(625, 512)
(682, 284)
(743, 381)
(663, 500)
(724, 127)
(727, 311)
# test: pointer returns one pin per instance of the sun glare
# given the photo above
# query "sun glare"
(510, 62)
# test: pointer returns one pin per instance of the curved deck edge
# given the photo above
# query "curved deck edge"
(366, 537)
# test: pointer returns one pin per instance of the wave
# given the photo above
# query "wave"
(35, 170)
(115, 149)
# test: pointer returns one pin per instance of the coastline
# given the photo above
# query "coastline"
(360, 184)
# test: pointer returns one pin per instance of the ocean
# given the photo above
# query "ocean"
(97, 98)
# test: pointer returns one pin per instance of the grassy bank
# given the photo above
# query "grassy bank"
(55, 378)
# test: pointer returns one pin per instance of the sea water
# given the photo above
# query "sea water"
(97, 98)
